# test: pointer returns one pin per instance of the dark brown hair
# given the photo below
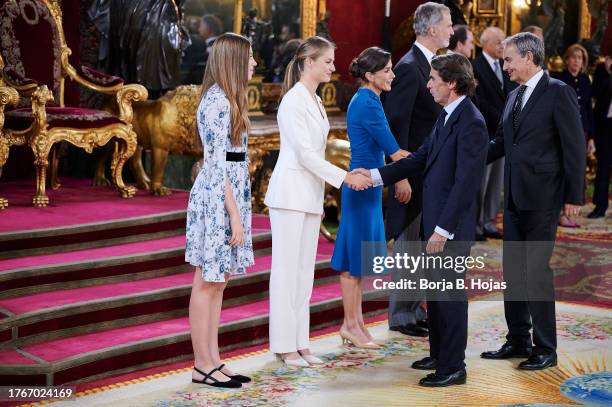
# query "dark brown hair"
(456, 68)
(371, 60)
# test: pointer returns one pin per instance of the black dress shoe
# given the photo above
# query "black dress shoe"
(438, 380)
(507, 351)
(427, 363)
(423, 323)
(410, 329)
(539, 362)
(480, 238)
(494, 235)
(597, 213)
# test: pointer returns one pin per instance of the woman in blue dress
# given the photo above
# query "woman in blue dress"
(218, 227)
(362, 217)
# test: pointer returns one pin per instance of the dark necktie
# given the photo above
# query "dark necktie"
(518, 106)
(439, 125)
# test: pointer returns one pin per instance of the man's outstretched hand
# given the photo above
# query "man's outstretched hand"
(358, 179)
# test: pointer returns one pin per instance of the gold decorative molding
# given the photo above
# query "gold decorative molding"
(483, 14)
(254, 96)
(237, 16)
(8, 96)
(322, 9)
(308, 17)
(584, 21)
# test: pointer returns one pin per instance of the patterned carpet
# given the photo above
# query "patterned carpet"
(583, 277)
(384, 377)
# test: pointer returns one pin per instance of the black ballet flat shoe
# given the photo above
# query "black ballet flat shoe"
(538, 362)
(237, 377)
(444, 380)
(230, 384)
(427, 363)
(507, 351)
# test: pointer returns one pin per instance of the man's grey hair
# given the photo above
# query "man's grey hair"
(427, 15)
(486, 33)
(527, 42)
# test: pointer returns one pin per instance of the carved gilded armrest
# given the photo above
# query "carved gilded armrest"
(8, 96)
(125, 94)
(25, 86)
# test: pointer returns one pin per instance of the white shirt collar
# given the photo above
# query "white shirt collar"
(450, 108)
(490, 60)
(428, 54)
(533, 81)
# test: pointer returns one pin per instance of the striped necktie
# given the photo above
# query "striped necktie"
(518, 106)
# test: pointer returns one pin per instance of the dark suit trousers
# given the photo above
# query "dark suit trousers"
(448, 318)
(529, 298)
(603, 152)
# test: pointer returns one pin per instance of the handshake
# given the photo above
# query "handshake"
(359, 179)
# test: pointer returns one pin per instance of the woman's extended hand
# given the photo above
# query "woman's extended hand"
(399, 154)
(358, 180)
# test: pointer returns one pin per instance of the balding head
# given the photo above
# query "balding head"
(491, 41)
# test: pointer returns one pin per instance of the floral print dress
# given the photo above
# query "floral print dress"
(208, 225)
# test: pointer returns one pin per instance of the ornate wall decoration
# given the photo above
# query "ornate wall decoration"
(486, 13)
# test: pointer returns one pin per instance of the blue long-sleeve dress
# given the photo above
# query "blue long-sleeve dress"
(361, 234)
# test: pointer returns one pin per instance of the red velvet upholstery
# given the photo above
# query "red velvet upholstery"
(17, 79)
(77, 118)
(99, 78)
(30, 43)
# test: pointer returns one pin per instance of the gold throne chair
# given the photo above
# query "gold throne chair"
(34, 62)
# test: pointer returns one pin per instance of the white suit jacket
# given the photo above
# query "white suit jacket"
(298, 179)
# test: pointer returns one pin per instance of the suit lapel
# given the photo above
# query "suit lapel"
(508, 113)
(445, 132)
(488, 71)
(422, 62)
(313, 110)
(535, 95)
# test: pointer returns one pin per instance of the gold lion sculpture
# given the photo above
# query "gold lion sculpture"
(166, 125)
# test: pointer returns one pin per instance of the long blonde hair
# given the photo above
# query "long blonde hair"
(227, 66)
(312, 47)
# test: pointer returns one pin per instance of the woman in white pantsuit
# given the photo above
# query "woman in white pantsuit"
(295, 199)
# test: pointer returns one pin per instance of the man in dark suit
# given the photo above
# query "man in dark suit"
(462, 41)
(412, 112)
(452, 161)
(493, 88)
(196, 55)
(602, 93)
(541, 136)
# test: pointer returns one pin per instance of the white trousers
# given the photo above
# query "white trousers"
(294, 249)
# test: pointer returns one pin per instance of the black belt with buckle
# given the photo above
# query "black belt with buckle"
(233, 156)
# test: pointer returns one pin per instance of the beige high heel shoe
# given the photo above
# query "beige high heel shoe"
(311, 359)
(298, 362)
(349, 339)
